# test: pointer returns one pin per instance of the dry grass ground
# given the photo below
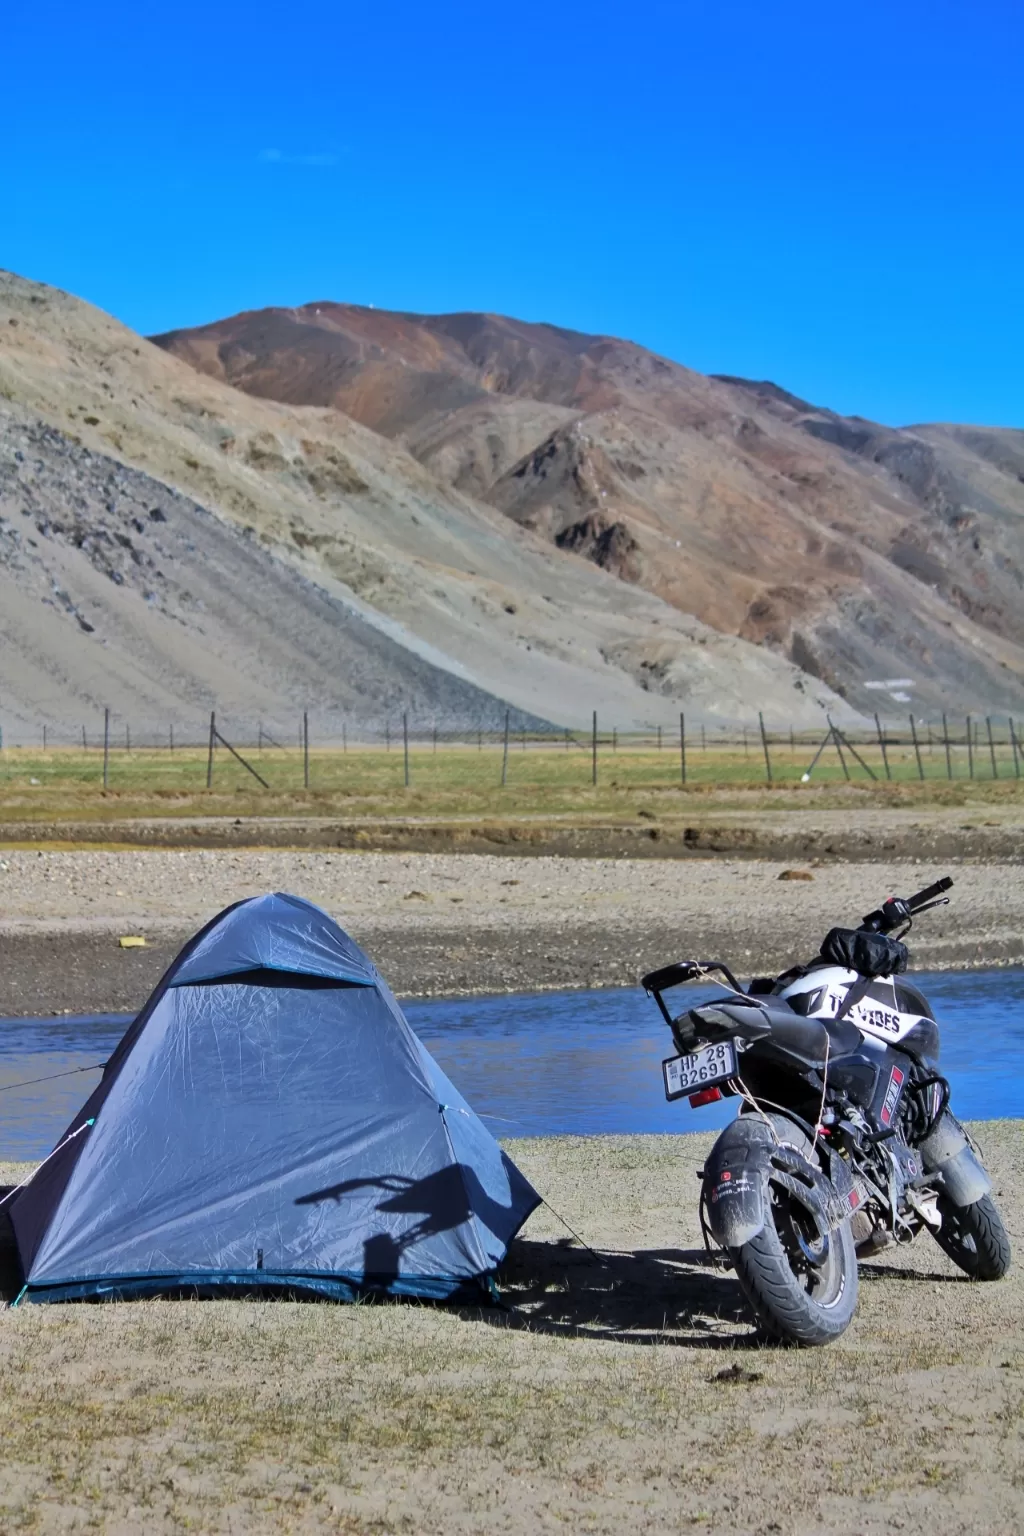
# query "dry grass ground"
(455, 782)
(615, 1395)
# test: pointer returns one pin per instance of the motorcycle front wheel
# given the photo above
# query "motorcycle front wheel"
(798, 1293)
(974, 1238)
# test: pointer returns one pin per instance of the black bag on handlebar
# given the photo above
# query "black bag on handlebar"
(869, 954)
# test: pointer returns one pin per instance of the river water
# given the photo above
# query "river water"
(541, 1064)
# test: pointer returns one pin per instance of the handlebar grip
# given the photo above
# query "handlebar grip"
(930, 893)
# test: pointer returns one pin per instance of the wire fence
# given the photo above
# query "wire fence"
(274, 755)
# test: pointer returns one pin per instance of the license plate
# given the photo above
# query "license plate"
(687, 1074)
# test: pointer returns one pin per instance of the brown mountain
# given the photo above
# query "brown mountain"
(858, 552)
(170, 545)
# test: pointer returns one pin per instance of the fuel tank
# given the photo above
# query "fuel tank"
(891, 1012)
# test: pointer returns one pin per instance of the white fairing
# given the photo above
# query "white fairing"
(877, 1016)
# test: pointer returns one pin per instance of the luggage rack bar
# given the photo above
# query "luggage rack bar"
(657, 982)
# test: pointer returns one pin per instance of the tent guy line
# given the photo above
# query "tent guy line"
(29, 1082)
(58, 1148)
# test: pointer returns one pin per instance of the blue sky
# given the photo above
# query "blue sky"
(828, 196)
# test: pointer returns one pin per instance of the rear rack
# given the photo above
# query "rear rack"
(656, 982)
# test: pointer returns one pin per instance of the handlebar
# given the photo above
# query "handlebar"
(929, 894)
(900, 909)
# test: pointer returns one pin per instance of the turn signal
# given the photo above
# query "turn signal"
(706, 1096)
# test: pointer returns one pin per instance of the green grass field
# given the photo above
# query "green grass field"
(541, 779)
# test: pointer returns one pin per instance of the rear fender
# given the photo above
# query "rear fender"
(736, 1181)
(949, 1153)
(746, 1158)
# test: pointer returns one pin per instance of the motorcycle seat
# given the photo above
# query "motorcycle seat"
(813, 1040)
(809, 1041)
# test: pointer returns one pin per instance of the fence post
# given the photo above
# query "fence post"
(209, 755)
(127, 738)
(305, 749)
(1016, 749)
(593, 739)
(344, 738)
(44, 738)
(917, 748)
(746, 744)
(170, 733)
(991, 746)
(840, 739)
(85, 744)
(405, 744)
(764, 743)
(106, 747)
(387, 735)
(216, 736)
(682, 746)
(838, 746)
(945, 737)
(970, 748)
(504, 755)
(881, 743)
(659, 738)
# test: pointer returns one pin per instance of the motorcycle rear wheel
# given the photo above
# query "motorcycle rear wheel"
(794, 1300)
(974, 1238)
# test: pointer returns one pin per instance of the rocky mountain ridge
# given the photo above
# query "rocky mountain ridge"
(306, 523)
(860, 553)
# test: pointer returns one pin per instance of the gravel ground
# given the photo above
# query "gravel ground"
(444, 923)
(621, 1393)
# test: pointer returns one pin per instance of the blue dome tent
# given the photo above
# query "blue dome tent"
(270, 1122)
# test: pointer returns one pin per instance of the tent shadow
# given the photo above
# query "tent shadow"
(651, 1296)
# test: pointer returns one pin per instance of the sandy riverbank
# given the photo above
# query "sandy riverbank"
(444, 923)
(622, 1395)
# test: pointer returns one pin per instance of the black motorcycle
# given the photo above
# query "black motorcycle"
(844, 1141)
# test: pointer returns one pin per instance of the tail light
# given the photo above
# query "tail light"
(705, 1096)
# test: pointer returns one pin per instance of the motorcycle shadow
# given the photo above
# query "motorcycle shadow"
(651, 1296)
(870, 1270)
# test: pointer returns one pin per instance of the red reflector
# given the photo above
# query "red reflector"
(706, 1096)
